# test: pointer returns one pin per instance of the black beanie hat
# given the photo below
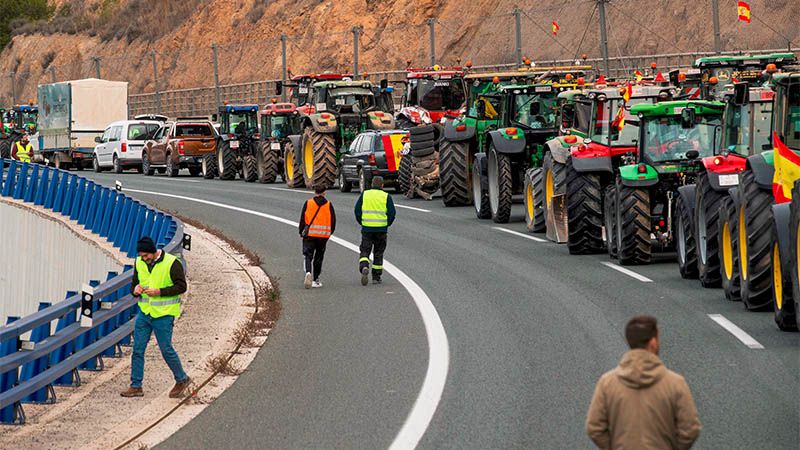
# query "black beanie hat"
(146, 245)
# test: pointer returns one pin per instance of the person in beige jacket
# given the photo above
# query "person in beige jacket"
(642, 405)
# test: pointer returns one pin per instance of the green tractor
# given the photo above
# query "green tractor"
(237, 144)
(520, 118)
(341, 110)
(640, 213)
(20, 119)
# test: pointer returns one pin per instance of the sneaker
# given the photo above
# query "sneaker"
(178, 389)
(364, 276)
(307, 281)
(132, 392)
(316, 284)
(376, 280)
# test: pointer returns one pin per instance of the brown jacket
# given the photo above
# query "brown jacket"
(642, 405)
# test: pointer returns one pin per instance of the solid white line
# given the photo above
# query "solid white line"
(412, 208)
(627, 272)
(736, 331)
(523, 235)
(305, 192)
(430, 394)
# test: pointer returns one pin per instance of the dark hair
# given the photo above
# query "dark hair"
(319, 188)
(377, 182)
(639, 331)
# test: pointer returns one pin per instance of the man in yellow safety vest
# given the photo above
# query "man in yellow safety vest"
(22, 150)
(375, 212)
(158, 281)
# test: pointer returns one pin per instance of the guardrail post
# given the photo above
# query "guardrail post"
(162, 233)
(94, 220)
(126, 223)
(149, 221)
(126, 315)
(157, 227)
(43, 187)
(30, 188)
(89, 337)
(87, 202)
(37, 366)
(112, 209)
(11, 178)
(136, 231)
(9, 379)
(111, 324)
(118, 224)
(65, 350)
(22, 181)
(59, 190)
(77, 200)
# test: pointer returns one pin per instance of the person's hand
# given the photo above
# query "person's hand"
(153, 292)
(137, 291)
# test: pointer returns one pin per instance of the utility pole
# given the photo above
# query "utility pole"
(601, 5)
(715, 17)
(356, 32)
(13, 88)
(431, 24)
(216, 72)
(155, 81)
(96, 60)
(283, 63)
(518, 35)
(52, 74)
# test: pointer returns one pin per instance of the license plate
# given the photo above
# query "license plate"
(340, 101)
(275, 145)
(729, 180)
(302, 90)
(234, 144)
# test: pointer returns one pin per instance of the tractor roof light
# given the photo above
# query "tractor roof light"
(568, 76)
(681, 77)
(642, 168)
(653, 65)
(771, 68)
(581, 81)
(496, 80)
(468, 63)
(713, 80)
(570, 139)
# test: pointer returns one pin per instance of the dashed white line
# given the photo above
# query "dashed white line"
(522, 235)
(733, 329)
(627, 272)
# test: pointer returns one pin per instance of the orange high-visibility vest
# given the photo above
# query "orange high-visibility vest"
(321, 228)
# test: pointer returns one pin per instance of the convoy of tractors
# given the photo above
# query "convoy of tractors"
(700, 163)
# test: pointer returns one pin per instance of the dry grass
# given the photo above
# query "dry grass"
(223, 365)
(251, 256)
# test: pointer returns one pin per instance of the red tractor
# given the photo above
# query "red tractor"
(432, 93)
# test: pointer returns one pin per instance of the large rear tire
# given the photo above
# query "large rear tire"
(209, 166)
(5, 149)
(291, 167)
(783, 305)
(727, 248)
(480, 197)
(534, 201)
(404, 175)
(609, 220)
(267, 160)
(250, 169)
(555, 175)
(584, 212)
(455, 168)
(226, 161)
(319, 158)
(706, 232)
(794, 229)
(755, 223)
(633, 235)
(501, 185)
(685, 244)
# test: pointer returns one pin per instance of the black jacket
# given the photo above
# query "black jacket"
(319, 200)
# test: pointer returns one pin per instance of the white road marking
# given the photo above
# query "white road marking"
(627, 272)
(412, 208)
(305, 192)
(430, 394)
(523, 235)
(736, 331)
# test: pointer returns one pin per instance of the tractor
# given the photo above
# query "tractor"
(431, 95)
(523, 117)
(641, 215)
(21, 119)
(718, 72)
(301, 88)
(341, 110)
(237, 144)
(278, 122)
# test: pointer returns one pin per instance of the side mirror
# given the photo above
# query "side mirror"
(692, 154)
(278, 87)
(98, 139)
(687, 118)
(384, 83)
(214, 118)
(741, 94)
(481, 108)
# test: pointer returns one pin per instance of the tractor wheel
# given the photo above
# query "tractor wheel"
(501, 186)
(209, 166)
(706, 232)
(555, 175)
(584, 212)
(291, 167)
(267, 160)
(633, 226)
(782, 302)
(404, 175)
(685, 244)
(250, 169)
(609, 220)
(534, 200)
(226, 161)
(480, 197)
(146, 168)
(794, 245)
(5, 149)
(455, 168)
(728, 253)
(319, 158)
(755, 222)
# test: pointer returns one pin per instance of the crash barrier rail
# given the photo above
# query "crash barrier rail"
(202, 101)
(89, 324)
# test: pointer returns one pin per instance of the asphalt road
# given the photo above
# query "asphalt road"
(530, 329)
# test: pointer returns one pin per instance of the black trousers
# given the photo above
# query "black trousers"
(374, 243)
(313, 253)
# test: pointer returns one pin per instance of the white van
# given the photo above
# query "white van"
(121, 145)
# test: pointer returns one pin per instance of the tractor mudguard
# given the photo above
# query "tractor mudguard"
(380, 121)
(602, 164)
(481, 163)
(453, 135)
(722, 182)
(559, 152)
(321, 125)
(687, 193)
(763, 169)
(782, 217)
(629, 175)
(296, 141)
(508, 144)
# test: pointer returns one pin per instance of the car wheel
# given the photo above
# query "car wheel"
(117, 165)
(344, 185)
(146, 168)
(96, 165)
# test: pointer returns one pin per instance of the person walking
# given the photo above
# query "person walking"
(641, 404)
(317, 224)
(158, 281)
(22, 150)
(375, 212)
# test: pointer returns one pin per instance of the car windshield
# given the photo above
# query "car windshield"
(436, 95)
(792, 121)
(534, 111)
(739, 130)
(193, 130)
(242, 121)
(666, 139)
(607, 125)
(141, 131)
(360, 99)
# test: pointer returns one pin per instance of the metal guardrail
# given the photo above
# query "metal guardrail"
(90, 324)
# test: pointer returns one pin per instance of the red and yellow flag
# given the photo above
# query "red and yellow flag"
(744, 11)
(787, 170)
(555, 28)
(638, 75)
(393, 145)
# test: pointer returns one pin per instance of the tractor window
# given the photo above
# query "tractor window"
(791, 125)
(583, 116)
(241, 122)
(762, 122)
(141, 131)
(667, 140)
(534, 110)
(436, 95)
(346, 99)
(608, 126)
(739, 136)
(280, 126)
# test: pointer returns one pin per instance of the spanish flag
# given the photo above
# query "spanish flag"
(555, 28)
(638, 75)
(787, 170)
(744, 11)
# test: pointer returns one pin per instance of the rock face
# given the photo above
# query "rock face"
(125, 33)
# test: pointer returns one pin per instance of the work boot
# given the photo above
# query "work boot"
(364, 276)
(177, 391)
(132, 392)
(376, 279)
(307, 281)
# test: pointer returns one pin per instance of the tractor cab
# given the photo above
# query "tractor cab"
(431, 94)
(532, 108)
(24, 118)
(279, 121)
(746, 121)
(301, 88)
(566, 77)
(238, 122)
(688, 81)
(717, 73)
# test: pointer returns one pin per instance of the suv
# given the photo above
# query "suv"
(372, 153)
(179, 145)
(121, 145)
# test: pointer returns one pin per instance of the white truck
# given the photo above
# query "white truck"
(72, 114)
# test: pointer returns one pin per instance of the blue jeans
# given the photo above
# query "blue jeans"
(162, 327)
